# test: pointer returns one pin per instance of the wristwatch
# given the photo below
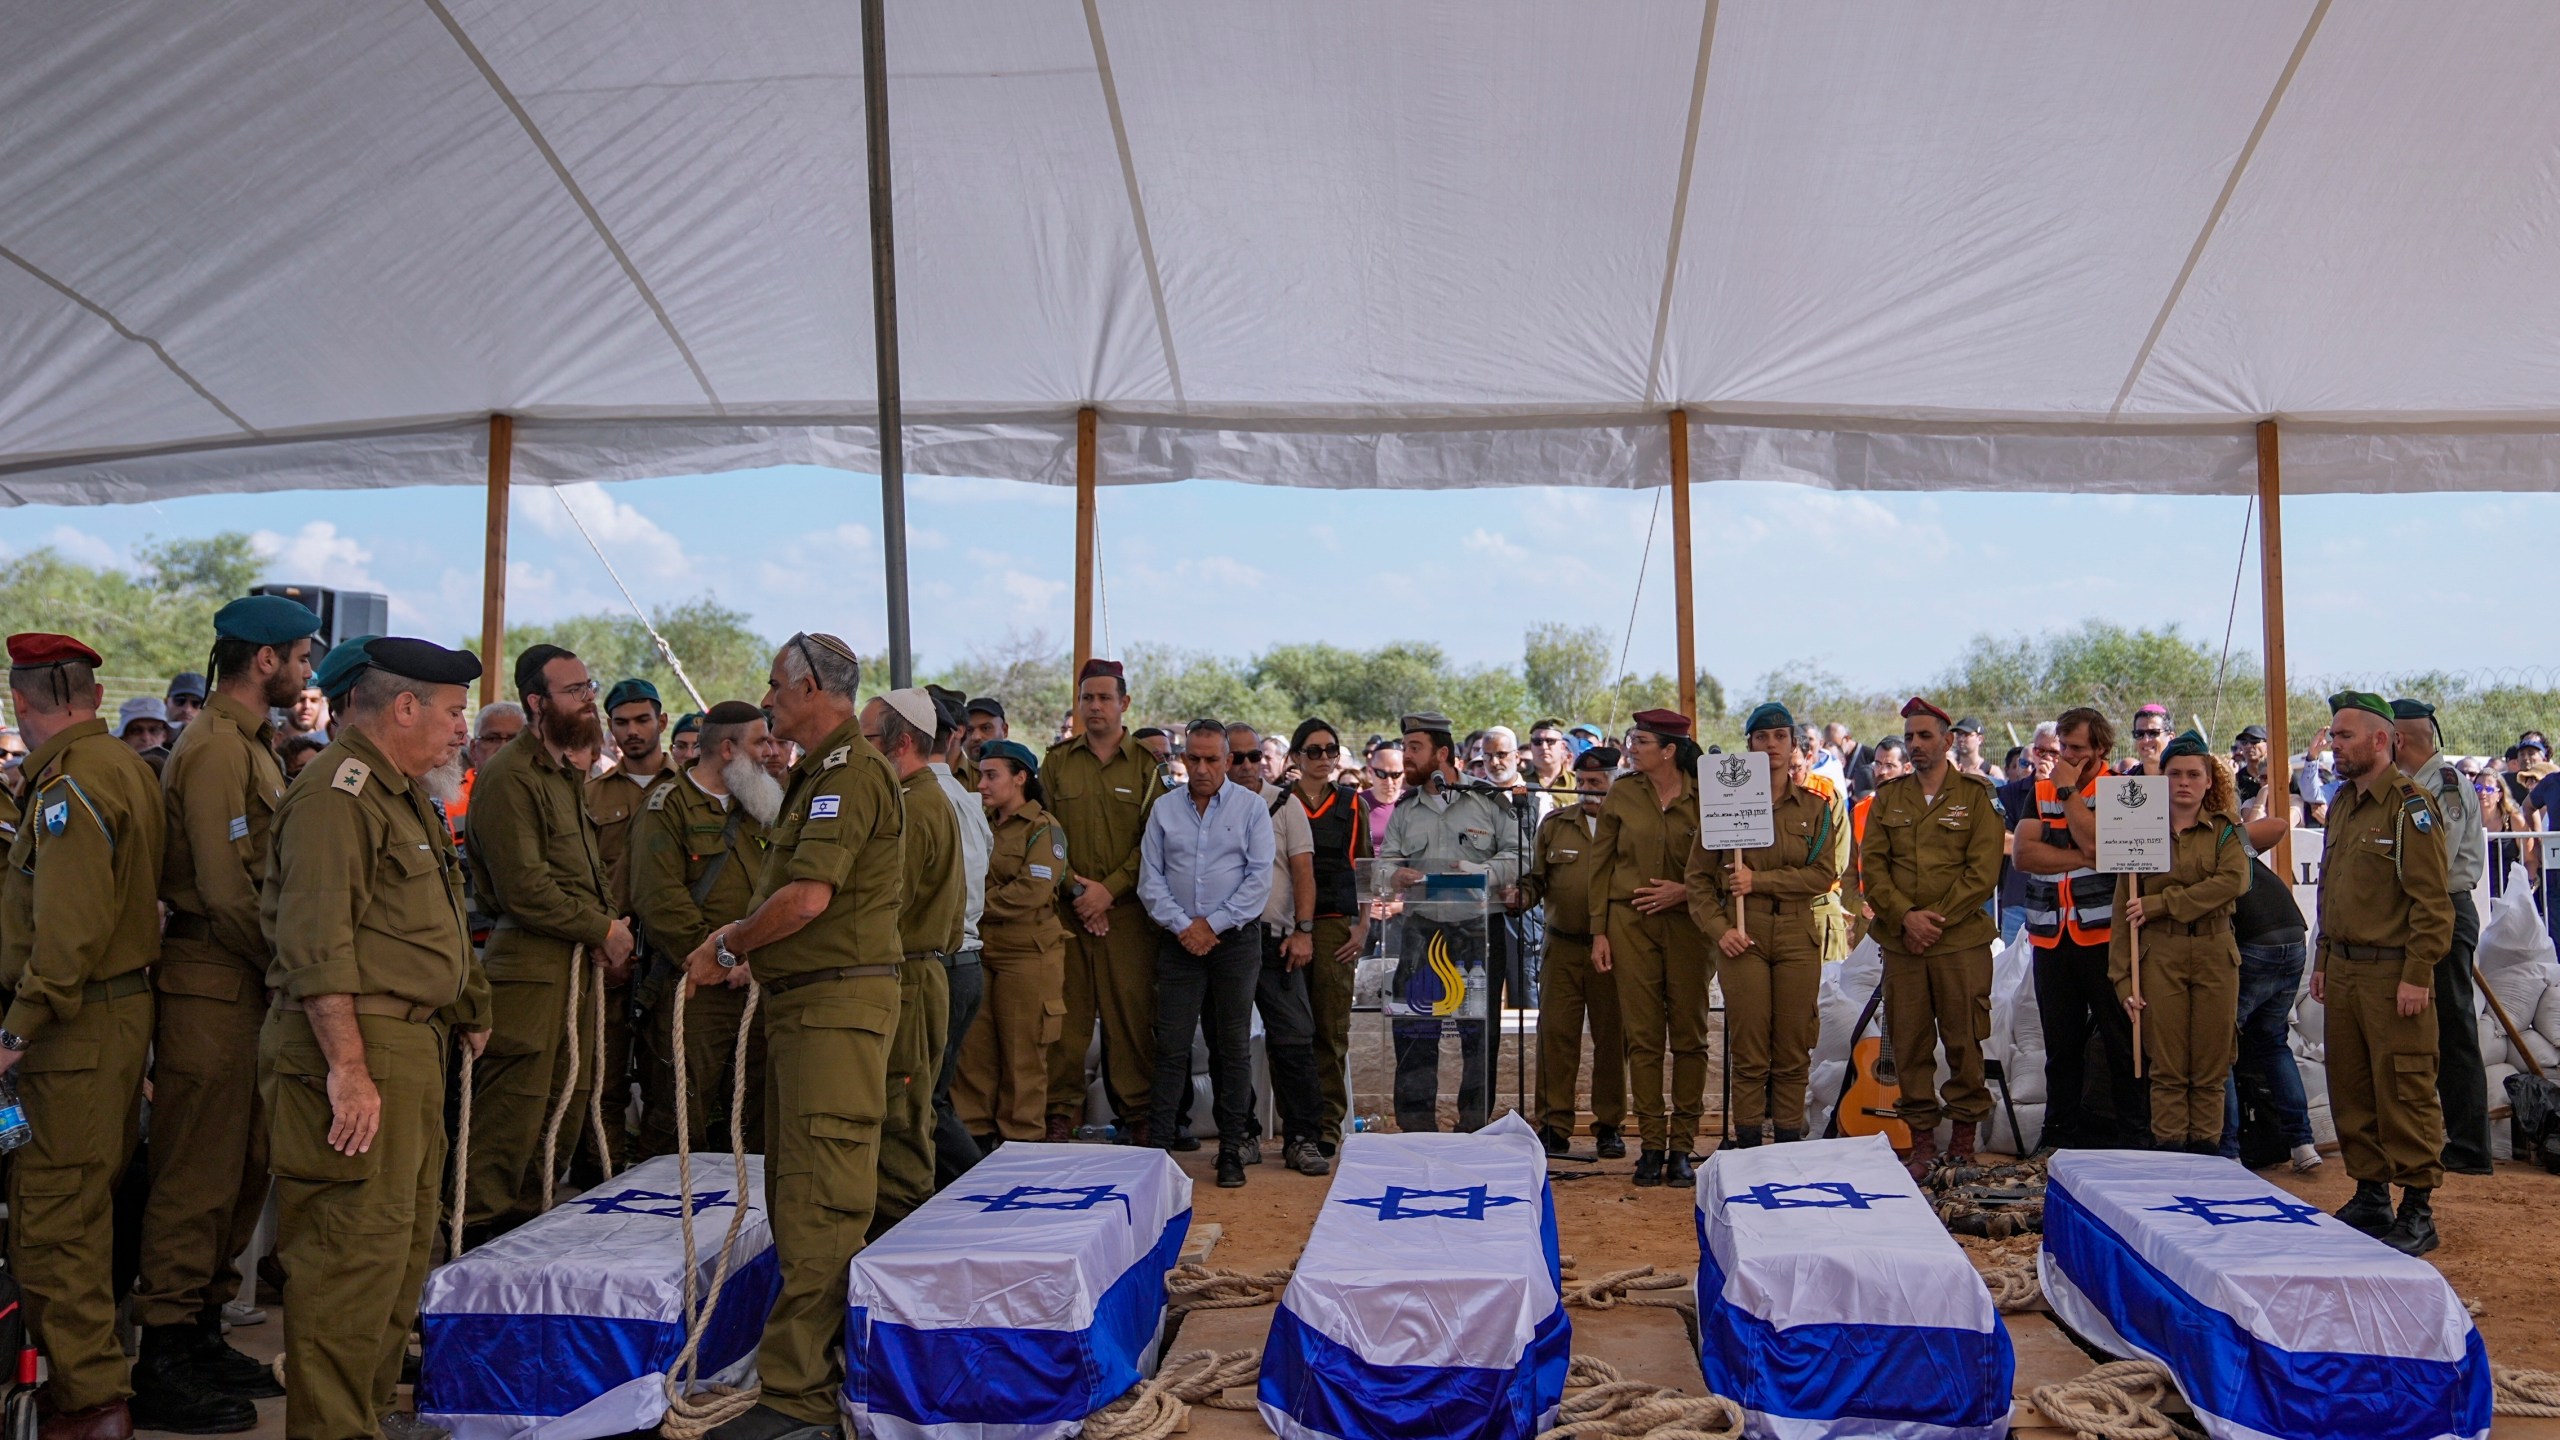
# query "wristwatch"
(729, 959)
(12, 1040)
(1306, 927)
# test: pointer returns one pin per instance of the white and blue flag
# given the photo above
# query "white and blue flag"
(1428, 1302)
(1831, 1301)
(560, 1329)
(1022, 1298)
(2277, 1319)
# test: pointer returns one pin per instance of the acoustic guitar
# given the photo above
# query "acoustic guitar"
(1869, 1090)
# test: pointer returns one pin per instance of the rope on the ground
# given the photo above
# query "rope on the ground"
(2008, 1269)
(2117, 1401)
(1193, 1286)
(568, 1082)
(1627, 1287)
(461, 1155)
(1161, 1405)
(1613, 1406)
(2534, 1393)
(693, 1412)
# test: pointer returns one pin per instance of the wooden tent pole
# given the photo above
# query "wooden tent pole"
(1084, 540)
(493, 563)
(1685, 626)
(2271, 605)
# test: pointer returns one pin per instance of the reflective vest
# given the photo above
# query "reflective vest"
(2080, 903)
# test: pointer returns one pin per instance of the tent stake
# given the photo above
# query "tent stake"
(884, 329)
(2271, 589)
(1685, 628)
(493, 563)
(1084, 542)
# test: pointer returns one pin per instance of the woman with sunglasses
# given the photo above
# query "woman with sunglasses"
(1338, 816)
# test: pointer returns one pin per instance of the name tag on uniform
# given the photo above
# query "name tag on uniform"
(239, 827)
(1043, 872)
(825, 807)
(1123, 789)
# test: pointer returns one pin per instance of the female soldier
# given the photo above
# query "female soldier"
(1002, 1091)
(1338, 817)
(1772, 962)
(2190, 1000)
(1640, 927)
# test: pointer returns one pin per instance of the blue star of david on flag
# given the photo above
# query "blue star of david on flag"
(2256, 1210)
(1070, 1197)
(1471, 1203)
(1819, 1195)
(653, 1202)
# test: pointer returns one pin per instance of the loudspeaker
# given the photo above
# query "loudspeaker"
(343, 613)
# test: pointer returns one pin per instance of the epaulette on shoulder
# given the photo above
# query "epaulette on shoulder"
(1979, 779)
(836, 757)
(351, 777)
(658, 797)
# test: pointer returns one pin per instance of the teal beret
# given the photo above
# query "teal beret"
(345, 661)
(689, 724)
(626, 691)
(2188, 743)
(1013, 750)
(265, 620)
(1770, 715)
(2412, 710)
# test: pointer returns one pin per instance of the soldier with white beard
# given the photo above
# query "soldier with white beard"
(696, 850)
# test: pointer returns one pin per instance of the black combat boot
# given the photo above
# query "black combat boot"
(1787, 1136)
(1649, 1167)
(168, 1393)
(1742, 1139)
(2414, 1231)
(1555, 1140)
(1612, 1145)
(225, 1369)
(1677, 1169)
(2370, 1210)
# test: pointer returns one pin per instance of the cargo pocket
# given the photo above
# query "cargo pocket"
(204, 982)
(1053, 1021)
(842, 1085)
(1982, 1018)
(298, 1119)
(2413, 1080)
(46, 1207)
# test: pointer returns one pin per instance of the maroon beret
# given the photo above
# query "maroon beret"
(1670, 724)
(41, 647)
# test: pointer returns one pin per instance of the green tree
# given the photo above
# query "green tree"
(1566, 667)
(1028, 673)
(727, 659)
(148, 625)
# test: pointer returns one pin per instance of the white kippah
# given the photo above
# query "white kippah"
(915, 707)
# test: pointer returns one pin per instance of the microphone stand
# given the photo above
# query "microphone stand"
(1517, 796)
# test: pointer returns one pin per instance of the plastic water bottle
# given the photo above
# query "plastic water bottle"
(1362, 1124)
(1097, 1132)
(14, 1130)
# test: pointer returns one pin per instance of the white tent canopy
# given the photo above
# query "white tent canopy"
(260, 244)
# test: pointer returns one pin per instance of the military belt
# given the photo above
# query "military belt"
(391, 1006)
(2209, 925)
(844, 972)
(915, 955)
(183, 926)
(1770, 903)
(131, 982)
(2393, 953)
(960, 959)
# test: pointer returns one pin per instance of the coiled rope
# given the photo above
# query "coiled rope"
(1639, 1286)
(569, 1056)
(2008, 1270)
(1613, 1405)
(2526, 1392)
(2117, 1401)
(1161, 1405)
(693, 1412)
(1192, 1286)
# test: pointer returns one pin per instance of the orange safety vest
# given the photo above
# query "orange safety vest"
(2057, 907)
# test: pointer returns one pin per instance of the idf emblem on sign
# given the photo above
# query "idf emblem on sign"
(1732, 771)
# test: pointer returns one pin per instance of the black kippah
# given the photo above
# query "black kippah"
(731, 712)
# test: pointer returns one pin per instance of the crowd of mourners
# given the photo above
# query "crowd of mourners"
(311, 906)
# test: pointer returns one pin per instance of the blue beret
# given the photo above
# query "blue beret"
(626, 691)
(689, 723)
(1013, 750)
(265, 620)
(1769, 715)
(340, 667)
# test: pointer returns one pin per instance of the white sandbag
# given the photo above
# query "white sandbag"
(2493, 1041)
(2520, 989)
(1839, 1011)
(2544, 1053)
(1996, 1136)
(2546, 1016)
(2315, 1081)
(1821, 1090)
(2310, 1028)
(2513, 933)
(1862, 968)
(2501, 1134)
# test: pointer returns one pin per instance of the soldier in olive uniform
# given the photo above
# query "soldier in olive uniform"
(1772, 959)
(79, 921)
(1003, 1087)
(209, 1146)
(1640, 927)
(2462, 1079)
(634, 718)
(536, 870)
(902, 723)
(371, 969)
(2190, 962)
(2386, 918)
(1100, 785)
(1930, 864)
(823, 942)
(1569, 989)
(696, 852)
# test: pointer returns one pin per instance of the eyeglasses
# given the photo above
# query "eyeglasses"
(1546, 739)
(583, 690)
(1320, 752)
(2149, 734)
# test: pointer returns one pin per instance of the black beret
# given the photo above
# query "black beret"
(416, 659)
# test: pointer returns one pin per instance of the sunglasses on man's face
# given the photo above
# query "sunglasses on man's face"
(2149, 734)
(1245, 757)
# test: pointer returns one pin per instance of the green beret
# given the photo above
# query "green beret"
(1769, 715)
(626, 691)
(691, 722)
(265, 620)
(2364, 700)
(1013, 750)
(2412, 710)
(2187, 743)
(345, 661)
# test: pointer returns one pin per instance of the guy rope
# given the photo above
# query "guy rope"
(695, 1412)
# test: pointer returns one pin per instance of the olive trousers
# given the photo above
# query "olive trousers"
(208, 1134)
(1930, 999)
(907, 1151)
(1570, 993)
(1003, 1086)
(2382, 1077)
(1663, 967)
(1111, 979)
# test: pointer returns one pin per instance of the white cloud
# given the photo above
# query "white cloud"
(646, 554)
(1496, 545)
(317, 554)
(85, 548)
(1032, 594)
(1224, 570)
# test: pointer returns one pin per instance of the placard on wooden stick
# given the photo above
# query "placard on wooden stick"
(1734, 808)
(2133, 825)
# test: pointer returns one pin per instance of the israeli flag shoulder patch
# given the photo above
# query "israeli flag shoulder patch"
(825, 807)
(352, 773)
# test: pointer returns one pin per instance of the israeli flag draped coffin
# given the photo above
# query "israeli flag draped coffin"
(2276, 1319)
(1024, 1297)
(1427, 1304)
(561, 1328)
(1832, 1302)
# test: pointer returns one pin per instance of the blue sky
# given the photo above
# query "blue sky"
(1880, 589)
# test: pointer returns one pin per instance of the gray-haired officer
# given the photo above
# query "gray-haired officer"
(2462, 1081)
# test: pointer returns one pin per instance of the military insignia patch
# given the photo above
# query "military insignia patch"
(352, 773)
(1042, 872)
(1058, 846)
(836, 757)
(658, 798)
(239, 827)
(2424, 821)
(57, 817)
(825, 807)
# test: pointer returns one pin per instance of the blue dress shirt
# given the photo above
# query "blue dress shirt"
(1212, 865)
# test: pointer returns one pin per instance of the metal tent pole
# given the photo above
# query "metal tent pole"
(884, 328)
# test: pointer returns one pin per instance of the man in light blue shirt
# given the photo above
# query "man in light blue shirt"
(1204, 874)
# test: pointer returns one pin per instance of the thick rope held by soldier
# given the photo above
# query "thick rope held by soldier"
(692, 1413)
(569, 1082)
